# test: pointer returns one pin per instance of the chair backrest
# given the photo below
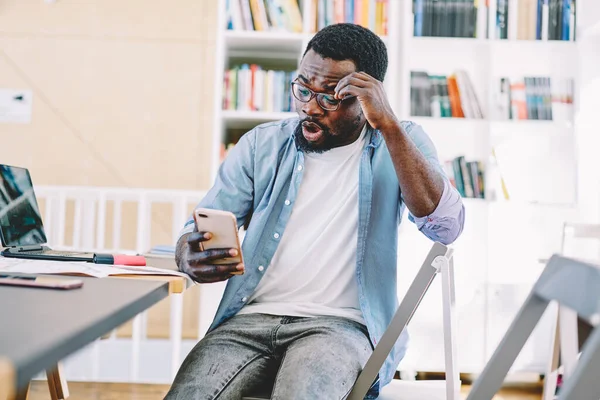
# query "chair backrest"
(97, 217)
(581, 241)
(439, 260)
(571, 283)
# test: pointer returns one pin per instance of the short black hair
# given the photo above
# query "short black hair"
(352, 42)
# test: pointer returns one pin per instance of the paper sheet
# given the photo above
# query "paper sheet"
(83, 268)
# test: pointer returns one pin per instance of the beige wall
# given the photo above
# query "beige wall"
(122, 97)
(122, 90)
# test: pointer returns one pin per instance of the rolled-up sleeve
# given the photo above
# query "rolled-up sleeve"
(446, 222)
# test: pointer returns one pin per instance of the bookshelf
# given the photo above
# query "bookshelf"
(529, 224)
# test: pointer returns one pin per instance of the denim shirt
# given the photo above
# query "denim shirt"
(259, 182)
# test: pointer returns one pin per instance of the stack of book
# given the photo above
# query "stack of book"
(450, 18)
(264, 15)
(537, 19)
(372, 14)
(251, 88)
(534, 98)
(466, 176)
(443, 96)
(532, 19)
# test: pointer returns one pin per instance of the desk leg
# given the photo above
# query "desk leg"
(57, 383)
(7, 380)
(176, 330)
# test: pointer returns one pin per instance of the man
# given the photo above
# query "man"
(324, 195)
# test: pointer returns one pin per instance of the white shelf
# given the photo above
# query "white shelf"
(283, 44)
(560, 45)
(541, 44)
(423, 119)
(521, 122)
(244, 119)
(485, 60)
(445, 40)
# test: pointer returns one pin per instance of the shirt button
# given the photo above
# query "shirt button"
(287, 202)
(261, 268)
(244, 299)
(299, 167)
(276, 236)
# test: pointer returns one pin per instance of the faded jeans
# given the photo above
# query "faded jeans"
(300, 358)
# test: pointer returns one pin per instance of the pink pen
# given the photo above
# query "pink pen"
(119, 259)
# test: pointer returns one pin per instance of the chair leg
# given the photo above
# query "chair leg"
(57, 384)
(550, 380)
(450, 326)
(569, 346)
(583, 384)
(490, 380)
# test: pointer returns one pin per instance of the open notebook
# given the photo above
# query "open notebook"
(80, 268)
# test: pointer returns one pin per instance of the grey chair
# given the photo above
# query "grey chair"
(571, 283)
(438, 261)
(569, 331)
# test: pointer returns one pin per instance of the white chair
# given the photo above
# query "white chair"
(438, 261)
(89, 223)
(565, 337)
(573, 284)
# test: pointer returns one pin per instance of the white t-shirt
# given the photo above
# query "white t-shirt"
(313, 271)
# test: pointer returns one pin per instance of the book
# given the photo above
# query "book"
(444, 96)
(249, 87)
(534, 98)
(467, 177)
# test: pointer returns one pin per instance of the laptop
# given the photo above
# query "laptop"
(21, 228)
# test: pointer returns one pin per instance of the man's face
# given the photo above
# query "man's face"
(319, 129)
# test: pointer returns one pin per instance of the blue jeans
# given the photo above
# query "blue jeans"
(299, 358)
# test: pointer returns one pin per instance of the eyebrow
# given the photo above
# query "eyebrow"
(330, 86)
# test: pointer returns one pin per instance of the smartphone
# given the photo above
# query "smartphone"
(47, 282)
(223, 227)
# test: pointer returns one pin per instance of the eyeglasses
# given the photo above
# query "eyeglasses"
(327, 102)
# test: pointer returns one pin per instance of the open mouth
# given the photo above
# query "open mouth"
(311, 131)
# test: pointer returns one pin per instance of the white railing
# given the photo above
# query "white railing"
(95, 219)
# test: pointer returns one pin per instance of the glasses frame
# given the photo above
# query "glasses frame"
(319, 96)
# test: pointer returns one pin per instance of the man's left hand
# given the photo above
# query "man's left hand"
(372, 97)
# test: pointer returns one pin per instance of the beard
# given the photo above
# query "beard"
(329, 140)
(309, 147)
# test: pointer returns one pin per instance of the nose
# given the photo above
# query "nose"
(312, 108)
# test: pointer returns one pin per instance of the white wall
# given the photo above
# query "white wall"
(588, 116)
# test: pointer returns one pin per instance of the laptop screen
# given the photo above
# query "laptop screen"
(20, 219)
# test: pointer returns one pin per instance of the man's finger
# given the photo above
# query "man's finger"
(205, 257)
(354, 78)
(215, 279)
(213, 270)
(195, 238)
(350, 90)
(208, 279)
(363, 75)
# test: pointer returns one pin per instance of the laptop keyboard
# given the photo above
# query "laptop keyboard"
(52, 253)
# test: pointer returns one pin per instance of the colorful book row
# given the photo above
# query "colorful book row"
(534, 98)
(251, 88)
(443, 96)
